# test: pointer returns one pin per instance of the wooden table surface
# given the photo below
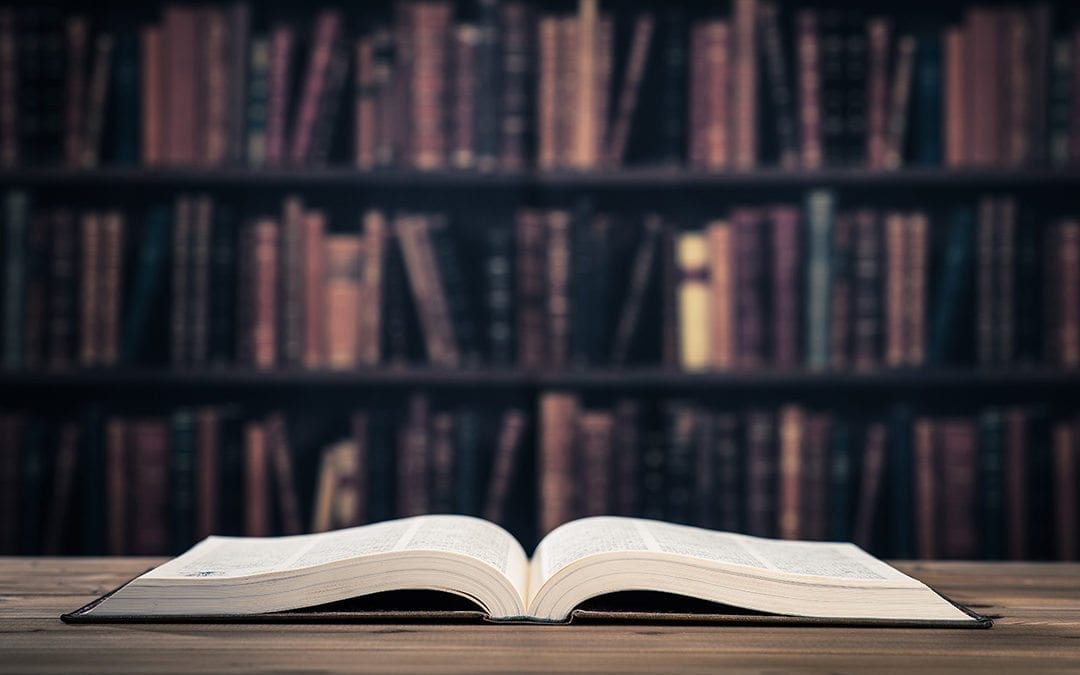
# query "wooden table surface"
(1036, 609)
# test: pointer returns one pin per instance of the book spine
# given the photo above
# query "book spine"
(281, 458)
(1016, 95)
(748, 234)
(896, 264)
(693, 293)
(785, 279)
(90, 285)
(16, 217)
(985, 311)
(841, 482)
(329, 106)
(488, 84)
(680, 482)
(721, 291)
(126, 100)
(117, 459)
(507, 451)
(729, 483)
(781, 96)
(414, 234)
(258, 102)
(366, 97)
(264, 283)
(557, 307)
(1066, 474)
(761, 474)
(343, 258)
(222, 280)
(146, 287)
(1005, 273)
(957, 152)
(215, 88)
(499, 296)
(10, 479)
(958, 440)
(720, 99)
(899, 102)
(374, 272)
(36, 289)
(257, 509)
(584, 140)
(463, 127)
(9, 89)
(514, 103)
(281, 51)
(672, 130)
(77, 32)
(208, 474)
(1015, 467)
(547, 93)
(1074, 109)
(991, 487)
(811, 152)
(1038, 62)
(955, 288)
(745, 83)
(443, 458)
(239, 72)
(984, 95)
(833, 85)
(641, 271)
(926, 497)
(412, 490)
(625, 468)
(180, 287)
(901, 470)
(1060, 104)
(1064, 295)
(629, 92)
(791, 523)
(855, 87)
(202, 223)
(820, 212)
(595, 432)
(150, 487)
(929, 96)
(154, 107)
(291, 277)
(327, 27)
(840, 293)
(182, 480)
(183, 119)
(451, 276)
(63, 484)
(870, 486)
(815, 477)
(360, 428)
(917, 228)
(315, 280)
(558, 418)
(113, 238)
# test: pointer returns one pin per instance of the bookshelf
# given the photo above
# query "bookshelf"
(894, 267)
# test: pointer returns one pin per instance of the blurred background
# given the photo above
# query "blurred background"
(793, 268)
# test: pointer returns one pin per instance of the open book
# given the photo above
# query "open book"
(227, 577)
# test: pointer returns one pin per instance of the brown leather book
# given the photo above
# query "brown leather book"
(957, 104)
(878, 31)
(257, 507)
(558, 288)
(870, 486)
(698, 90)
(899, 101)
(9, 87)
(508, 448)
(181, 41)
(814, 475)
(568, 81)
(720, 102)
(67, 454)
(547, 95)
(808, 43)
(366, 103)
(371, 288)
(531, 262)
(148, 479)
(155, 107)
(207, 472)
(466, 40)
(343, 259)
(180, 307)
(722, 295)
(77, 31)
(428, 292)
(926, 500)
(784, 222)
(314, 289)
(1066, 475)
(282, 39)
(358, 430)
(324, 42)
(1016, 482)
(596, 437)
(896, 266)
(215, 86)
(958, 443)
(90, 310)
(983, 47)
(792, 444)
(917, 242)
(264, 286)
(585, 129)
(428, 84)
(1066, 308)
(280, 456)
(558, 419)
(413, 461)
(629, 91)
(1016, 95)
(748, 230)
(745, 79)
(116, 485)
(112, 276)
(292, 274)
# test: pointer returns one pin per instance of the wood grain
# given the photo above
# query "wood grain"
(1036, 606)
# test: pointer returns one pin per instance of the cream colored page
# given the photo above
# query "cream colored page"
(234, 557)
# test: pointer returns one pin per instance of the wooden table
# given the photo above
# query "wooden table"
(1036, 606)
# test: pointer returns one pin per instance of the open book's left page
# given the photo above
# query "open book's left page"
(457, 554)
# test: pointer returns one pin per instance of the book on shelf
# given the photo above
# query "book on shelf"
(566, 578)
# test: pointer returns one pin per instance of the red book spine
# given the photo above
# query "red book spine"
(914, 305)
(558, 418)
(514, 19)
(412, 489)
(720, 127)
(958, 440)
(111, 292)
(698, 104)
(89, 346)
(77, 40)
(957, 74)
(1065, 293)
(877, 87)
(327, 27)
(281, 48)
(595, 432)
(256, 481)
(558, 288)
(547, 95)
(895, 271)
(314, 279)
(149, 483)
(926, 468)
(291, 278)
(809, 67)
(815, 477)
(183, 97)
(532, 288)
(983, 47)
(785, 287)
(840, 300)
(1016, 482)
(431, 23)
(792, 429)
(1065, 482)
(154, 105)
(744, 66)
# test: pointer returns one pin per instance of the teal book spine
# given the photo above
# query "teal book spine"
(956, 290)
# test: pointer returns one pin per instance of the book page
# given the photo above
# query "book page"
(607, 534)
(244, 556)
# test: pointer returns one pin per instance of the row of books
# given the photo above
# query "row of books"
(773, 286)
(1002, 482)
(507, 84)
(907, 483)
(150, 484)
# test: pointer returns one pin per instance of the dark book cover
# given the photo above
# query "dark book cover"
(869, 509)
(517, 56)
(748, 229)
(98, 88)
(731, 489)
(124, 110)
(92, 483)
(811, 90)
(761, 474)
(1015, 469)
(820, 213)
(9, 89)
(626, 478)
(462, 317)
(901, 471)
(585, 260)
(1040, 472)
(705, 492)
(182, 122)
(181, 480)
(641, 271)
(232, 490)
(222, 289)
(780, 84)
(291, 280)
(499, 295)
(144, 301)
(672, 96)
(991, 485)
(841, 481)
(926, 127)
(16, 225)
(466, 497)
(949, 323)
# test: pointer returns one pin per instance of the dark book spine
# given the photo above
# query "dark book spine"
(397, 336)
(257, 104)
(508, 448)
(32, 466)
(182, 481)
(238, 70)
(147, 287)
(558, 301)
(183, 119)
(583, 269)
(785, 286)
(955, 289)
(840, 293)
(958, 440)
(745, 84)
(97, 100)
(841, 482)
(619, 138)
(90, 273)
(499, 297)
(181, 280)
(37, 271)
(531, 288)
(208, 473)
(443, 460)
(113, 247)
(462, 319)
(761, 474)
(626, 475)
(780, 86)
(871, 480)
(77, 31)
(258, 510)
(1029, 290)
(833, 86)
(291, 277)
(1038, 62)
(16, 222)
(429, 290)
(126, 101)
(900, 102)
(465, 489)
(641, 271)
(517, 56)
(60, 496)
(488, 84)
(748, 229)
(1015, 461)
(412, 479)
(9, 89)
(731, 489)
(222, 317)
(288, 504)
(928, 115)
(376, 240)
(62, 289)
(812, 148)
(791, 481)
(855, 52)
(1060, 103)
(925, 458)
(654, 491)
(680, 464)
(199, 280)
(1066, 473)
(878, 31)
(558, 422)
(1064, 342)
(820, 214)
(816, 477)
(232, 499)
(264, 293)
(901, 469)
(594, 436)
(672, 130)
(1005, 281)
(278, 93)
(330, 104)
(10, 482)
(463, 129)
(148, 478)
(991, 485)
(381, 480)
